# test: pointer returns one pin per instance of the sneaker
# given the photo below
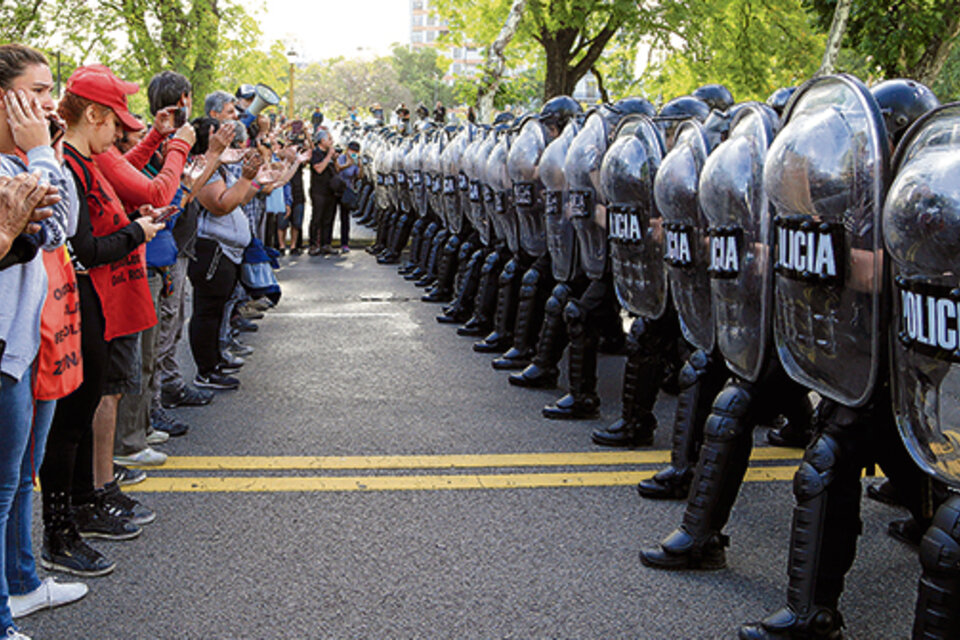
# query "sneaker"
(250, 313)
(64, 550)
(345, 249)
(157, 436)
(126, 476)
(167, 423)
(239, 349)
(216, 380)
(185, 396)
(243, 324)
(145, 458)
(295, 251)
(102, 519)
(126, 507)
(230, 360)
(261, 304)
(15, 634)
(48, 595)
(228, 369)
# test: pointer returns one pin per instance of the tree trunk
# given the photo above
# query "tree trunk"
(935, 55)
(496, 62)
(834, 39)
(603, 90)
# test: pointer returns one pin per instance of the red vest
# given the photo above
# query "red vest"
(121, 285)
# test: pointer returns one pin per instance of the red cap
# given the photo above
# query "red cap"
(96, 82)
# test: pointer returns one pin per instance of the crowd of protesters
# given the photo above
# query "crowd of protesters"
(108, 227)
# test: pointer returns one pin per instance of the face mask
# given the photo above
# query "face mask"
(353, 156)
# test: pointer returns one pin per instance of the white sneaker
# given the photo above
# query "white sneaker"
(13, 634)
(48, 595)
(146, 458)
(157, 437)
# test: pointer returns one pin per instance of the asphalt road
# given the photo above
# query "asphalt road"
(351, 364)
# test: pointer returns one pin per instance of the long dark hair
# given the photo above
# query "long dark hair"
(14, 59)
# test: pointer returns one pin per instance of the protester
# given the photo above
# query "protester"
(348, 168)
(25, 144)
(323, 197)
(294, 216)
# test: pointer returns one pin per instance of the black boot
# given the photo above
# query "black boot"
(938, 594)
(63, 548)
(542, 372)
(462, 307)
(446, 272)
(642, 376)
(701, 378)
(433, 259)
(582, 403)
(823, 538)
(699, 543)
(416, 238)
(787, 433)
(486, 300)
(500, 339)
(530, 306)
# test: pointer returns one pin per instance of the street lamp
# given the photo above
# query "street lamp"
(292, 56)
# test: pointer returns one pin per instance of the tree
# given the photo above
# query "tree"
(751, 46)
(898, 38)
(496, 62)
(338, 84)
(421, 71)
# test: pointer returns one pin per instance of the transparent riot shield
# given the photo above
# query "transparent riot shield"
(825, 176)
(527, 190)
(503, 216)
(634, 225)
(687, 253)
(587, 208)
(561, 236)
(450, 168)
(921, 227)
(481, 196)
(732, 198)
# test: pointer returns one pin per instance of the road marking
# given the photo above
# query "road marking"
(466, 461)
(421, 483)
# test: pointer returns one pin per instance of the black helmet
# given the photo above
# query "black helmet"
(634, 105)
(901, 102)
(558, 111)
(504, 117)
(778, 99)
(683, 108)
(716, 96)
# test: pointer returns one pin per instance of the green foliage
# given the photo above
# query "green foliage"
(338, 84)
(751, 46)
(894, 38)
(421, 70)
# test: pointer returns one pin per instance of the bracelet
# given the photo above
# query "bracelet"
(256, 185)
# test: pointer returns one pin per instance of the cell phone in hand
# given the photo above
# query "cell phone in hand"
(180, 117)
(166, 215)
(56, 131)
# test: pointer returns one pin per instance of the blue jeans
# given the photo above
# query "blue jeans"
(20, 458)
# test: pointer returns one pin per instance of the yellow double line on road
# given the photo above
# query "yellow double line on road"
(433, 482)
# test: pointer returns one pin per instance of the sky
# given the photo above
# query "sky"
(327, 28)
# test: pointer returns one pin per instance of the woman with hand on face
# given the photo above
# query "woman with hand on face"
(25, 145)
(115, 305)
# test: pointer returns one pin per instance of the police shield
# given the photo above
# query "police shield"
(686, 253)
(586, 206)
(634, 225)
(561, 237)
(921, 227)
(414, 170)
(435, 168)
(741, 278)
(527, 190)
(450, 167)
(481, 195)
(400, 173)
(825, 176)
(469, 135)
(502, 215)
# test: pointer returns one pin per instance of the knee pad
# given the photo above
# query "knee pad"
(726, 420)
(453, 243)
(693, 369)
(490, 264)
(530, 282)
(575, 316)
(509, 272)
(561, 293)
(816, 470)
(466, 252)
(940, 547)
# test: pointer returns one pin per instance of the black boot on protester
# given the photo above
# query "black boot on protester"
(582, 402)
(501, 338)
(542, 372)
(63, 548)
(530, 308)
(642, 376)
(99, 517)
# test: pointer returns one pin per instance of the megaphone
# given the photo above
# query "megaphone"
(264, 97)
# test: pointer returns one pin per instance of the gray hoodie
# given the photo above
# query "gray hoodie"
(23, 287)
